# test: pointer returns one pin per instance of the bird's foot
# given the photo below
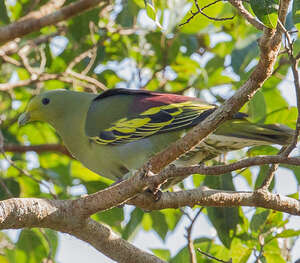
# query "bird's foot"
(146, 171)
(154, 187)
(156, 193)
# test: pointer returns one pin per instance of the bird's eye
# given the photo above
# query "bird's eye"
(45, 101)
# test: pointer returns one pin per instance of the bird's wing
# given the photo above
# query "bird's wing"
(148, 114)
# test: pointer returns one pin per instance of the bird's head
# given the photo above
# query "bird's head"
(47, 106)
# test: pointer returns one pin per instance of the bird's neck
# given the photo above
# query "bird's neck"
(71, 126)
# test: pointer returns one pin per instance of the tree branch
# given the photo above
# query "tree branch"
(46, 76)
(172, 171)
(58, 215)
(33, 23)
(189, 229)
(37, 148)
(238, 4)
(46, 9)
(218, 198)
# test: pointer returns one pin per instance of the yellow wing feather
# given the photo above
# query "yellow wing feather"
(153, 121)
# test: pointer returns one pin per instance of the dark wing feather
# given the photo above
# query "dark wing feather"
(155, 120)
(149, 114)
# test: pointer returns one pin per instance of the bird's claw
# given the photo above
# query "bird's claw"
(156, 193)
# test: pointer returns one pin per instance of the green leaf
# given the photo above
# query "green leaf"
(262, 150)
(225, 220)
(172, 217)
(264, 169)
(242, 56)
(247, 175)
(238, 252)
(163, 254)
(79, 171)
(159, 223)
(190, 42)
(274, 257)
(12, 186)
(132, 226)
(4, 19)
(198, 179)
(266, 11)
(147, 222)
(272, 252)
(206, 245)
(263, 220)
(199, 22)
(151, 12)
(257, 107)
(259, 219)
(112, 217)
(30, 246)
(29, 187)
(288, 233)
(296, 11)
(128, 14)
(294, 195)
(79, 25)
(52, 238)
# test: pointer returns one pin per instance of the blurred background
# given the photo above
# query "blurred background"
(139, 44)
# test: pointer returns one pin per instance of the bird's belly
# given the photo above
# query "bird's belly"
(134, 154)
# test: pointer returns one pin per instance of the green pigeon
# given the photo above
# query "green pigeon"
(116, 132)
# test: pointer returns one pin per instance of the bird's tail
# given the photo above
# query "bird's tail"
(264, 133)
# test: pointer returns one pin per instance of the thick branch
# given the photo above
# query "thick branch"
(107, 242)
(32, 24)
(58, 215)
(218, 198)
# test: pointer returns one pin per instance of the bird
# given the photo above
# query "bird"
(115, 132)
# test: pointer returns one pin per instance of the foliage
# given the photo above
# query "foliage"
(140, 44)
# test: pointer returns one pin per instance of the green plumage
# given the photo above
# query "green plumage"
(119, 130)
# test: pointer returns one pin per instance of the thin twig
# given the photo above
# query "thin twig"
(193, 258)
(89, 79)
(200, 11)
(45, 77)
(212, 257)
(243, 12)
(40, 148)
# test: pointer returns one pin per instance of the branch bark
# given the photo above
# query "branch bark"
(37, 148)
(33, 23)
(218, 198)
(30, 212)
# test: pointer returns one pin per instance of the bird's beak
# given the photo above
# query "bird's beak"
(24, 118)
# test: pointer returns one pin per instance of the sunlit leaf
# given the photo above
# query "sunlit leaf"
(266, 11)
